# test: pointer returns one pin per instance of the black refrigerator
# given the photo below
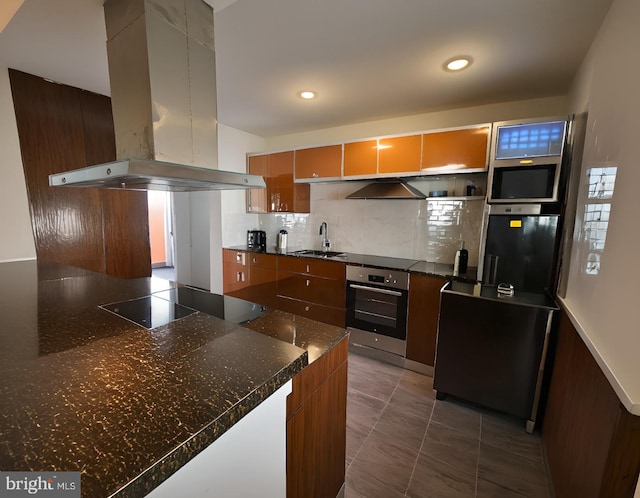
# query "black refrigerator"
(519, 247)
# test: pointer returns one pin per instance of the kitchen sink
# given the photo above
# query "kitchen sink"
(319, 254)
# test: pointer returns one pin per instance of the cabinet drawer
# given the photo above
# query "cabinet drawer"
(313, 266)
(234, 257)
(324, 314)
(324, 291)
(263, 260)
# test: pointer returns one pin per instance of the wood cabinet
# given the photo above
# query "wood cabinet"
(318, 163)
(282, 195)
(313, 288)
(360, 158)
(235, 271)
(466, 149)
(257, 197)
(399, 155)
(422, 320)
(592, 442)
(316, 427)
(263, 276)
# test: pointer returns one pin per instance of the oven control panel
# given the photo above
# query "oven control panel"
(378, 276)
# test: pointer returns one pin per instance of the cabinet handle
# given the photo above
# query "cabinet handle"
(315, 175)
(240, 258)
(254, 261)
(239, 276)
(306, 308)
(308, 282)
(308, 269)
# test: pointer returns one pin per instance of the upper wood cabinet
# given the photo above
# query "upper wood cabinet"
(399, 154)
(319, 162)
(361, 158)
(466, 149)
(257, 197)
(282, 195)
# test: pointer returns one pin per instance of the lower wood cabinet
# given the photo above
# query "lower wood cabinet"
(592, 442)
(235, 270)
(422, 319)
(317, 425)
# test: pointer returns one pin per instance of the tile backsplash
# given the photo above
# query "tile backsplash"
(428, 229)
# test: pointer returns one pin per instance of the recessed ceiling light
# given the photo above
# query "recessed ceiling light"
(308, 94)
(458, 63)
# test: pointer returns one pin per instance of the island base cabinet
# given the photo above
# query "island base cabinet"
(317, 427)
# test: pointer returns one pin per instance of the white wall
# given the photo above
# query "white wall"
(550, 106)
(604, 303)
(15, 222)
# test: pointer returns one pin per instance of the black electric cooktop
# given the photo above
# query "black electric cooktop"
(163, 307)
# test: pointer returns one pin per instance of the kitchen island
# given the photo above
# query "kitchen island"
(84, 389)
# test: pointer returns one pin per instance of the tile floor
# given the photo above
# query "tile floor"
(402, 442)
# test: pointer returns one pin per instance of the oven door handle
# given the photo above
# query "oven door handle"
(376, 289)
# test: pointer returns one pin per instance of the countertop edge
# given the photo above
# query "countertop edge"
(164, 468)
(632, 406)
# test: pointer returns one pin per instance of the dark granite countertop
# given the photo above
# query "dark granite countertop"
(538, 300)
(386, 262)
(82, 388)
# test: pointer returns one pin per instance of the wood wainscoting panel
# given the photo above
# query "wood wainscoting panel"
(63, 128)
(316, 427)
(592, 442)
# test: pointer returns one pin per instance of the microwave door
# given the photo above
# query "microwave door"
(519, 250)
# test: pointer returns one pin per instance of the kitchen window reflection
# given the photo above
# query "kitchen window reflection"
(597, 213)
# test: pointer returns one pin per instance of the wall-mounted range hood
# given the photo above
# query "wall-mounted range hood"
(387, 189)
(163, 94)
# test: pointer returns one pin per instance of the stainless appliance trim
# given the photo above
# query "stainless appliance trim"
(359, 337)
(375, 289)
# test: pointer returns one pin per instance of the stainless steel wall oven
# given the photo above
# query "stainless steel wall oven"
(377, 308)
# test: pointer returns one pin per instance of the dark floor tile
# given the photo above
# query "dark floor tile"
(454, 448)
(363, 410)
(417, 405)
(488, 489)
(435, 479)
(373, 377)
(404, 428)
(359, 484)
(458, 415)
(508, 433)
(515, 473)
(387, 462)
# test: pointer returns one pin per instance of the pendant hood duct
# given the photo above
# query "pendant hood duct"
(163, 95)
(387, 189)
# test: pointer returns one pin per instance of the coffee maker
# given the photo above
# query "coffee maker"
(257, 240)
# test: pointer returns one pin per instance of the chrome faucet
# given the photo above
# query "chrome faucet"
(324, 232)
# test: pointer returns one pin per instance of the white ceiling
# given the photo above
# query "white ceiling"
(367, 59)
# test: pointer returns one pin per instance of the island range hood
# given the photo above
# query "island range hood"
(163, 95)
(387, 189)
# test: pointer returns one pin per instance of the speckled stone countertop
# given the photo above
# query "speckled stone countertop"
(84, 389)
(386, 262)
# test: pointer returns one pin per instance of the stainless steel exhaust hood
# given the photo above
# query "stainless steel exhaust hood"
(163, 94)
(387, 189)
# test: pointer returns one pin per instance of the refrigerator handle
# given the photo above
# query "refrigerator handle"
(491, 267)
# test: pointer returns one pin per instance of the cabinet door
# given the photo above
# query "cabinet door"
(361, 158)
(313, 266)
(280, 182)
(466, 149)
(257, 197)
(319, 162)
(235, 270)
(422, 322)
(399, 154)
(324, 291)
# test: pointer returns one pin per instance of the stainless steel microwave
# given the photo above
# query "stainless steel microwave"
(525, 160)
